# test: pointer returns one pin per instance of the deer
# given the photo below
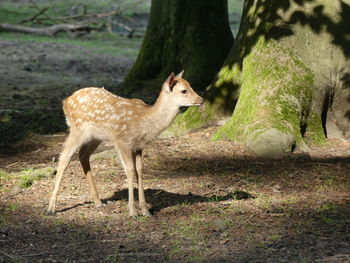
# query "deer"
(94, 115)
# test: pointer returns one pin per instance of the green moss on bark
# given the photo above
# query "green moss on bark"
(275, 95)
(314, 133)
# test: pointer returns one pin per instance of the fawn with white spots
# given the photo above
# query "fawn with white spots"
(95, 115)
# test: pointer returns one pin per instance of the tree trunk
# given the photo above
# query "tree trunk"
(182, 34)
(289, 69)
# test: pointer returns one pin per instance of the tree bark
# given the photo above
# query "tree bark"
(182, 34)
(289, 72)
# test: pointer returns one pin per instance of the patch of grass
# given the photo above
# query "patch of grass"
(215, 198)
(12, 14)
(326, 212)
(12, 207)
(26, 180)
(184, 203)
(264, 201)
(115, 256)
(142, 219)
(28, 176)
(329, 183)
(291, 200)
(99, 43)
(189, 239)
(260, 245)
(326, 219)
(4, 220)
(325, 207)
(275, 237)
(3, 174)
(153, 180)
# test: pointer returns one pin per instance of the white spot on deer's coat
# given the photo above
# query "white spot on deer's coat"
(115, 116)
(82, 99)
(122, 113)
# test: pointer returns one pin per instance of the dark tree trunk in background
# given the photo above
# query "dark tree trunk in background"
(182, 34)
(289, 72)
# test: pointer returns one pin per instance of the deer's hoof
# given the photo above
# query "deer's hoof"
(50, 213)
(146, 213)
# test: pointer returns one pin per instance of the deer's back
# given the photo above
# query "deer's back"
(96, 107)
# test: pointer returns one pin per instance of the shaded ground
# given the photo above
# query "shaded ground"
(35, 76)
(212, 202)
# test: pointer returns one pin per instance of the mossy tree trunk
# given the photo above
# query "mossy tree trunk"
(289, 73)
(182, 34)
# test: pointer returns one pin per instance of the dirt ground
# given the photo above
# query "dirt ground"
(211, 201)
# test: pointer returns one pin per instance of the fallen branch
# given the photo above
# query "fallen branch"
(33, 18)
(75, 29)
(46, 31)
(84, 15)
(127, 28)
(79, 16)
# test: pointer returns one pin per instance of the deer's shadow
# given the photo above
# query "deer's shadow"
(160, 199)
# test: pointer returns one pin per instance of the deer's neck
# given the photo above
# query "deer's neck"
(161, 114)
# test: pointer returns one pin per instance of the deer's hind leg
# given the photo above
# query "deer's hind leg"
(84, 156)
(142, 199)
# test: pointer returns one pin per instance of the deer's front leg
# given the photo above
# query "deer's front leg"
(130, 171)
(142, 199)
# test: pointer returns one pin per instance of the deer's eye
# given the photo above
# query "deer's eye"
(184, 91)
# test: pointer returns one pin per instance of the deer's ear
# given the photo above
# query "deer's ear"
(170, 82)
(180, 74)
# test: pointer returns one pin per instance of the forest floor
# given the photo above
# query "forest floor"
(211, 201)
